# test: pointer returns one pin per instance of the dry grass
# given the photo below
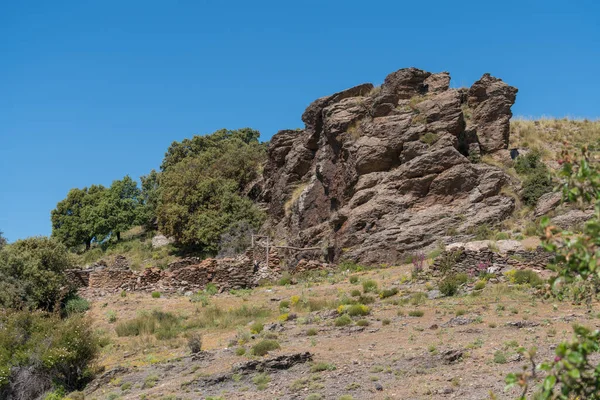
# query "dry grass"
(551, 135)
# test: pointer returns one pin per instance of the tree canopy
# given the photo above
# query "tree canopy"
(202, 184)
(97, 213)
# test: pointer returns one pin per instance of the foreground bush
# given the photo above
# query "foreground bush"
(571, 375)
(31, 273)
(449, 285)
(40, 351)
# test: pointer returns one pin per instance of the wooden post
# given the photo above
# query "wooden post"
(267, 252)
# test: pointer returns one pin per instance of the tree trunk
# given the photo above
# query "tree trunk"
(118, 236)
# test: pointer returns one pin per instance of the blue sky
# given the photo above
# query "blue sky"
(93, 90)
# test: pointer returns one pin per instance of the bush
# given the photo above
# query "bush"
(537, 177)
(44, 351)
(343, 320)
(256, 327)
(194, 342)
(353, 279)
(155, 295)
(416, 313)
(362, 322)
(364, 299)
(211, 289)
(32, 273)
(384, 294)
(76, 305)
(311, 332)
(450, 284)
(264, 347)
(240, 351)
(357, 309)
(370, 286)
(286, 279)
(348, 265)
(527, 276)
(385, 322)
(479, 285)
(355, 293)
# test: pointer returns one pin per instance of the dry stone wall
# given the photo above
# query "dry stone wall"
(489, 256)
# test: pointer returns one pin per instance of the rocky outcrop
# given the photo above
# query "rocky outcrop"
(378, 172)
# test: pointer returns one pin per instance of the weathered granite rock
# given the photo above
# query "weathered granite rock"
(377, 173)
(161, 240)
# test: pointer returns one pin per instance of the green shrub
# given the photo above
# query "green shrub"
(416, 313)
(314, 396)
(358, 309)
(54, 352)
(450, 284)
(537, 180)
(343, 320)
(362, 322)
(32, 273)
(211, 289)
(500, 357)
(479, 285)
(355, 293)
(311, 332)
(448, 260)
(240, 351)
(264, 347)
(364, 299)
(284, 304)
(353, 279)
(384, 294)
(527, 276)
(155, 295)
(111, 317)
(385, 322)
(370, 286)
(286, 279)
(76, 305)
(256, 327)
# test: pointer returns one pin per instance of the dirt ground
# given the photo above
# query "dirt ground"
(461, 347)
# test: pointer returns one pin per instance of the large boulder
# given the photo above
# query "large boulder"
(380, 172)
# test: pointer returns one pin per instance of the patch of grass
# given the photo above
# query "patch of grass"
(217, 317)
(322, 366)
(312, 332)
(355, 293)
(385, 322)
(479, 285)
(163, 325)
(295, 196)
(358, 309)
(261, 381)
(111, 316)
(527, 276)
(416, 313)
(449, 285)
(353, 279)
(314, 396)
(76, 305)
(429, 138)
(364, 299)
(362, 322)
(460, 312)
(211, 289)
(264, 347)
(150, 381)
(156, 295)
(286, 279)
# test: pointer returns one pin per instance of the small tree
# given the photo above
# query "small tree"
(3, 240)
(120, 207)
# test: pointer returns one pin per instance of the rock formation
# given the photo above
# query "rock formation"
(381, 171)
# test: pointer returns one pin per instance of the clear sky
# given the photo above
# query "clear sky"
(93, 90)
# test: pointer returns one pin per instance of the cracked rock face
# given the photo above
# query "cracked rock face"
(380, 172)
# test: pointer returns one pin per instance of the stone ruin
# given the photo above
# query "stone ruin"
(187, 274)
(494, 257)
